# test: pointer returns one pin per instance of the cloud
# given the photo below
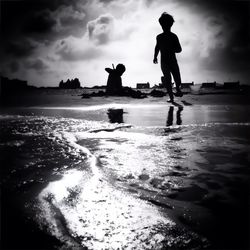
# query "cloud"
(51, 25)
(42, 19)
(14, 66)
(69, 22)
(41, 22)
(100, 29)
(20, 48)
(223, 42)
(228, 59)
(37, 64)
(69, 17)
(73, 49)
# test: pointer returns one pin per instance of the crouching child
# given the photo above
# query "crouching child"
(114, 83)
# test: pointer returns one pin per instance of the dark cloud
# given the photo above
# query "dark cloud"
(16, 15)
(106, 1)
(37, 64)
(26, 23)
(232, 19)
(28, 18)
(40, 22)
(228, 59)
(19, 48)
(233, 12)
(14, 66)
(70, 22)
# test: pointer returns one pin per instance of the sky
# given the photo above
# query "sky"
(46, 41)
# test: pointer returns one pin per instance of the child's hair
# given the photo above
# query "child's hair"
(120, 68)
(166, 19)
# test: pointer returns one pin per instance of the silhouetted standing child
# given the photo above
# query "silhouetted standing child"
(168, 44)
(114, 84)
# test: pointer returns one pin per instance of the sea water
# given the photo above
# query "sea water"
(151, 181)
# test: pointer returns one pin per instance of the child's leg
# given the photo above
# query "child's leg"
(177, 76)
(166, 81)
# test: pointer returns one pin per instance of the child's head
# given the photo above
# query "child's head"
(120, 69)
(166, 21)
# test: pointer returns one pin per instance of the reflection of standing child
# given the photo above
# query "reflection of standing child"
(168, 44)
(114, 84)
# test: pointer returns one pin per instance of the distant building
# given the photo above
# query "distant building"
(231, 85)
(187, 84)
(143, 85)
(156, 86)
(208, 85)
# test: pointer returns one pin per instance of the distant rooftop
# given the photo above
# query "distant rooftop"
(143, 85)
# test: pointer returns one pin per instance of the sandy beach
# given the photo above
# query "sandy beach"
(155, 176)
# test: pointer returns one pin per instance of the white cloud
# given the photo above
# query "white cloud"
(100, 30)
(74, 49)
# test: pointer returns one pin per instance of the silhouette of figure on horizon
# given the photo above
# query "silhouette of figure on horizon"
(168, 44)
(114, 83)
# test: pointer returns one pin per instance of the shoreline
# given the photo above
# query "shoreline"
(69, 98)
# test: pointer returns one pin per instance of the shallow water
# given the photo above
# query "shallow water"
(145, 183)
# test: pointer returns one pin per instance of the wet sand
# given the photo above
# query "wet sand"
(204, 190)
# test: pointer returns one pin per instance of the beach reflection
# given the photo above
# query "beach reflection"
(115, 115)
(170, 117)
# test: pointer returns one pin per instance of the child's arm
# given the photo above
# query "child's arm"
(157, 49)
(177, 47)
(109, 70)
